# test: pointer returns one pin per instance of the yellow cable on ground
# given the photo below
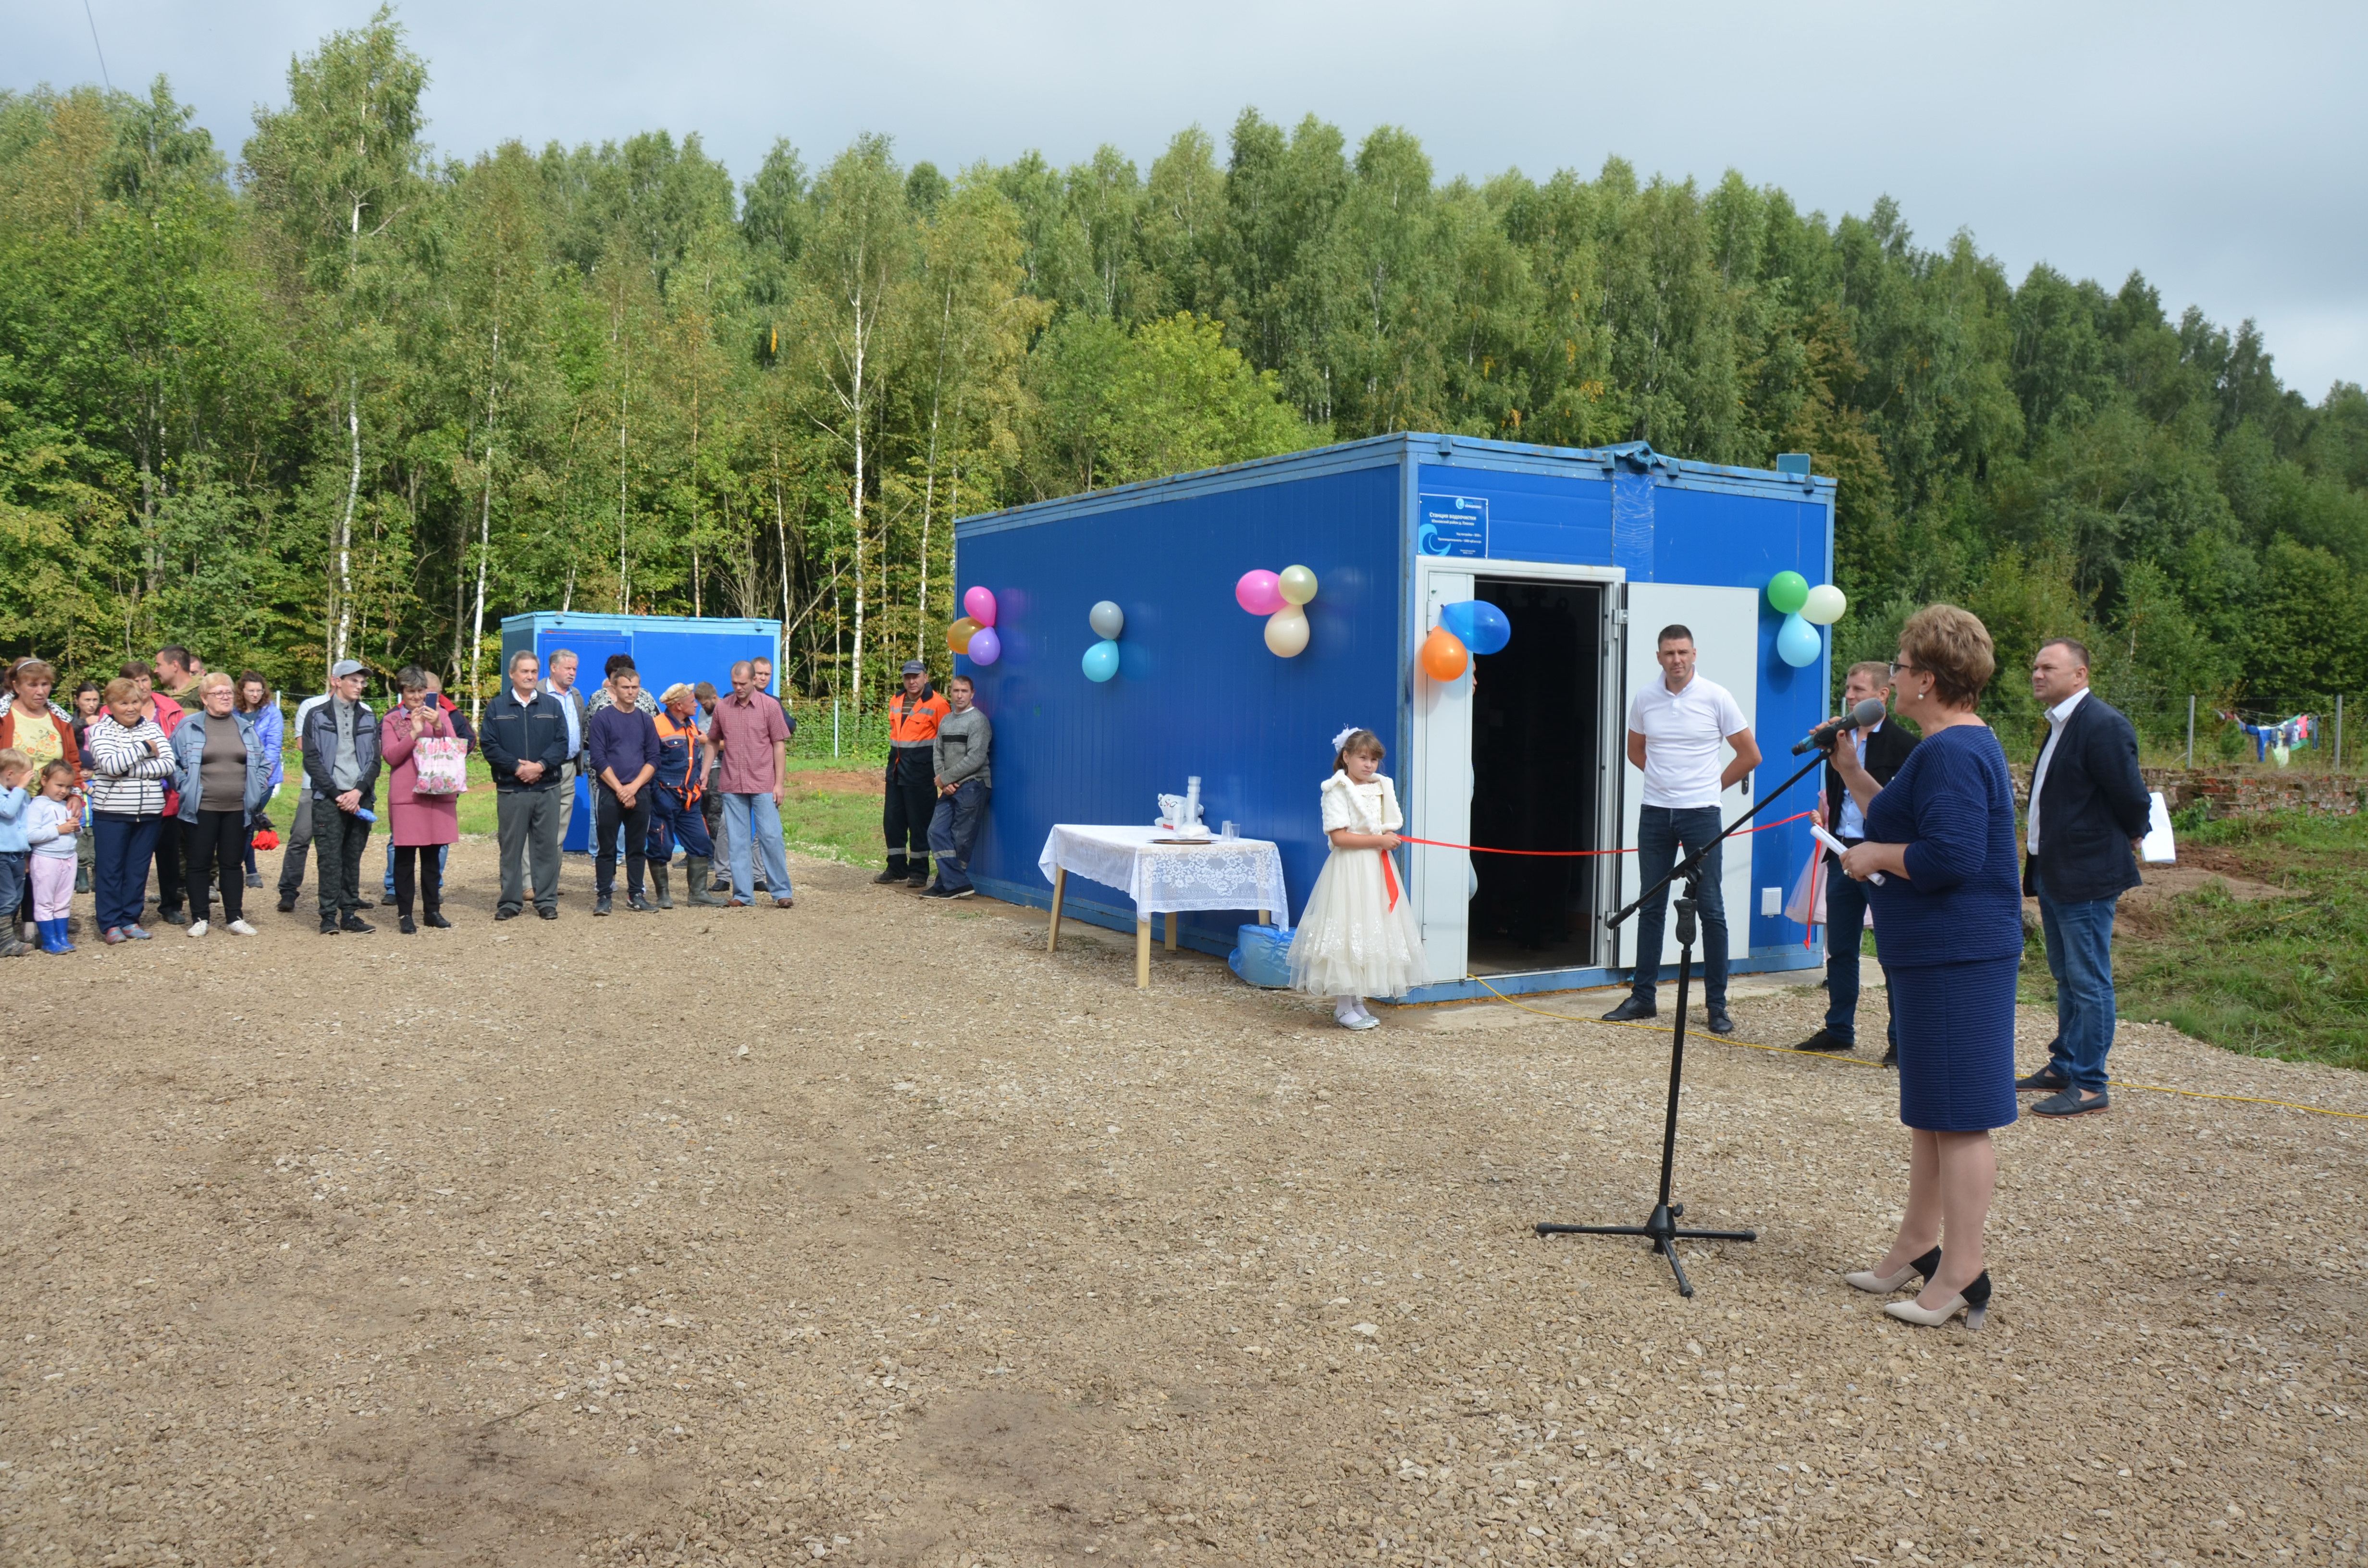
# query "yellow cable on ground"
(1858, 1062)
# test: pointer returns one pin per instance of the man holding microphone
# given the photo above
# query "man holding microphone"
(1880, 750)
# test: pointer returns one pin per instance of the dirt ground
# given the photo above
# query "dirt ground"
(869, 1232)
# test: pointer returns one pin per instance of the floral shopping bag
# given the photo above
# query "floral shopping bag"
(442, 764)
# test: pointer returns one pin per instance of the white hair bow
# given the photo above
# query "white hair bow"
(1342, 738)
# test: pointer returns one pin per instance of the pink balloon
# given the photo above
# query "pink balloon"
(986, 647)
(1259, 592)
(979, 605)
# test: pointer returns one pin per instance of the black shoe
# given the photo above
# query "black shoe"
(600, 905)
(405, 924)
(1720, 1023)
(364, 903)
(938, 893)
(1639, 1005)
(2046, 1081)
(174, 916)
(435, 919)
(918, 883)
(893, 874)
(507, 912)
(328, 926)
(288, 904)
(2072, 1102)
(356, 924)
(546, 911)
(1891, 1056)
(637, 903)
(1826, 1040)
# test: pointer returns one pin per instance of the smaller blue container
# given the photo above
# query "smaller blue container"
(1261, 956)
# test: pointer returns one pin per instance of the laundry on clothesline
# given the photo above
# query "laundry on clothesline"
(2280, 738)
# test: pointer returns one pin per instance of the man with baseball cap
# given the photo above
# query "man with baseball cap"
(913, 717)
(341, 763)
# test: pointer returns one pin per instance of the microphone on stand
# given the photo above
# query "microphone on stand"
(1868, 713)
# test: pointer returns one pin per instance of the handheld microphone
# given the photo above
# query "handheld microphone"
(1867, 714)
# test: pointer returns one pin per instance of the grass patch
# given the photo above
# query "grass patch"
(2284, 977)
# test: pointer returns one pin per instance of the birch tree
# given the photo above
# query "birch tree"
(337, 172)
(856, 259)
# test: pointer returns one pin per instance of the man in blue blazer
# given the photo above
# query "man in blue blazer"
(2088, 809)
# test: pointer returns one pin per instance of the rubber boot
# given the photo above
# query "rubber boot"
(664, 897)
(695, 874)
(53, 933)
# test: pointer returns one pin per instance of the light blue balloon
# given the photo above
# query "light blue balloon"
(1797, 642)
(1102, 661)
(1490, 630)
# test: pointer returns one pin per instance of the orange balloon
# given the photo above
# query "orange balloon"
(958, 635)
(1445, 657)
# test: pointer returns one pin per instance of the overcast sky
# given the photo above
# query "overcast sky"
(2218, 148)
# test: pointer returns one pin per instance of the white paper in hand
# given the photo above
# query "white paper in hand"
(2158, 848)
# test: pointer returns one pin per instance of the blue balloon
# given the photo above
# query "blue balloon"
(1490, 630)
(1477, 624)
(1797, 642)
(1102, 661)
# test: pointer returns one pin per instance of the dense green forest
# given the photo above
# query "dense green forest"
(349, 395)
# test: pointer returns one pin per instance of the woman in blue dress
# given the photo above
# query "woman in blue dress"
(1947, 896)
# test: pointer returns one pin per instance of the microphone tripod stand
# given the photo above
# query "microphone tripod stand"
(1662, 1228)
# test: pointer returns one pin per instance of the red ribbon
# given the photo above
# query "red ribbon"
(1390, 875)
(1478, 849)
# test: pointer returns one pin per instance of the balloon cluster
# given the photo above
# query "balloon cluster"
(1464, 629)
(1804, 610)
(974, 634)
(1279, 596)
(1101, 660)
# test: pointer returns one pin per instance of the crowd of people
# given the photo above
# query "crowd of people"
(156, 788)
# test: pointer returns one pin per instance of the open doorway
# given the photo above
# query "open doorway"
(1538, 777)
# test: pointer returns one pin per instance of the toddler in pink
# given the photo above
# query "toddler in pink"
(52, 822)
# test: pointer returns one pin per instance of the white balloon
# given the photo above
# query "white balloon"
(1286, 632)
(1107, 620)
(1824, 606)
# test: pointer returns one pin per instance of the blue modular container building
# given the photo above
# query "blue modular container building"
(665, 649)
(1588, 552)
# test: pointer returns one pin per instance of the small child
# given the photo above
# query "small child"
(1358, 935)
(15, 769)
(53, 824)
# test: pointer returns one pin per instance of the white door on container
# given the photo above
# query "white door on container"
(1726, 624)
(1441, 808)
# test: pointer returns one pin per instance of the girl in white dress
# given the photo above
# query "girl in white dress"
(1358, 937)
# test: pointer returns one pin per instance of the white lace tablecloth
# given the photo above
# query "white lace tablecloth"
(1236, 873)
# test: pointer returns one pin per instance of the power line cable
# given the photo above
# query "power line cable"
(94, 46)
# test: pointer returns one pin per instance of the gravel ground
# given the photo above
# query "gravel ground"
(869, 1231)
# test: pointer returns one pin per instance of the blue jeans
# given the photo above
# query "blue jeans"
(2080, 956)
(752, 825)
(1662, 834)
(15, 878)
(1845, 934)
(953, 829)
(118, 874)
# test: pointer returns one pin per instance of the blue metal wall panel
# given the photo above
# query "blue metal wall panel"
(1197, 690)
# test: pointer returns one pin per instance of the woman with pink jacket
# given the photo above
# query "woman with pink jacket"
(423, 823)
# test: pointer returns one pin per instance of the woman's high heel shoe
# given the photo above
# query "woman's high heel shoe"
(1874, 1284)
(1973, 1301)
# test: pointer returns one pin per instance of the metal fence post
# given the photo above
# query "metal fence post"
(834, 726)
(2191, 731)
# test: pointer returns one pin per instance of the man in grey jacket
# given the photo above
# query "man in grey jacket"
(960, 758)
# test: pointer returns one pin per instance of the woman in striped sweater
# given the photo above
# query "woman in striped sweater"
(131, 766)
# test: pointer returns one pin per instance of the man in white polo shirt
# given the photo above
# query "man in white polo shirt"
(1676, 727)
